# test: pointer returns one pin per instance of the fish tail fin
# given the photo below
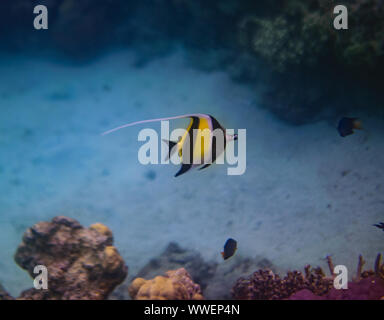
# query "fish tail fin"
(171, 148)
(357, 124)
(205, 166)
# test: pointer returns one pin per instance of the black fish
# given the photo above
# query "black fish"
(380, 225)
(229, 248)
(347, 125)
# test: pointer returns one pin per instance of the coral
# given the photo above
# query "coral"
(286, 40)
(363, 49)
(379, 267)
(219, 287)
(371, 288)
(266, 285)
(315, 285)
(304, 51)
(174, 257)
(82, 263)
(301, 33)
(176, 285)
(215, 279)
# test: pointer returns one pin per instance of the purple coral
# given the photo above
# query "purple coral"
(265, 285)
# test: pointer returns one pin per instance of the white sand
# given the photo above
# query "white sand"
(292, 206)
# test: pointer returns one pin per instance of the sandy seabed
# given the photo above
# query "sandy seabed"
(306, 193)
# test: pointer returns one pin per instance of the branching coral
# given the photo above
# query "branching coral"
(366, 285)
(176, 285)
(82, 263)
(379, 267)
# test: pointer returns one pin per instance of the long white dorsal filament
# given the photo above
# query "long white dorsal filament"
(155, 120)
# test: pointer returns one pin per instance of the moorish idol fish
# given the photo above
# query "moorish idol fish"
(347, 125)
(379, 225)
(198, 154)
(229, 248)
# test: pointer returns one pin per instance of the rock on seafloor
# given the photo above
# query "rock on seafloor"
(215, 279)
(175, 285)
(175, 257)
(82, 263)
(4, 295)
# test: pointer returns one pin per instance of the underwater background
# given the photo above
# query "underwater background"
(275, 68)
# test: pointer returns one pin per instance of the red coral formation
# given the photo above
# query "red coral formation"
(81, 262)
(315, 285)
(371, 288)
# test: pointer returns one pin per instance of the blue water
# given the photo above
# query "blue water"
(306, 192)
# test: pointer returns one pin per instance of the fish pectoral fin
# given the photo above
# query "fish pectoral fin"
(346, 133)
(184, 168)
(205, 166)
(171, 148)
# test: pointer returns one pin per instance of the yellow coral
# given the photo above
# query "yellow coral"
(102, 229)
(112, 259)
(135, 286)
(176, 285)
(110, 251)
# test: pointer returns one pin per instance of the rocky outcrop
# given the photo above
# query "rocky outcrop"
(4, 295)
(82, 263)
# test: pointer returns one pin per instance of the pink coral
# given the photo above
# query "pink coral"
(371, 288)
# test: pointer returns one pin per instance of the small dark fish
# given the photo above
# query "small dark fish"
(347, 125)
(229, 248)
(380, 225)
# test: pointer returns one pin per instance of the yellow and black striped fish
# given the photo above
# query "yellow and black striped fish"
(195, 151)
